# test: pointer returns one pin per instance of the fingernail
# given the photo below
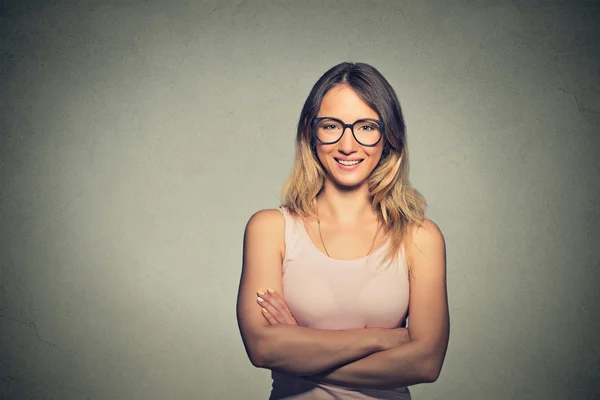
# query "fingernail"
(270, 290)
(260, 300)
(265, 310)
(261, 292)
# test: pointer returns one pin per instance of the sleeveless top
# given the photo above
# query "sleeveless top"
(326, 293)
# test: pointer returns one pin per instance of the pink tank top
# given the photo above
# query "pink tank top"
(325, 293)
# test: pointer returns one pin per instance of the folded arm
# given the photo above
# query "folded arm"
(291, 348)
(420, 359)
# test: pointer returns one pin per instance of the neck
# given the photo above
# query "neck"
(344, 206)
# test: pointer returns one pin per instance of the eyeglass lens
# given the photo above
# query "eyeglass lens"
(366, 132)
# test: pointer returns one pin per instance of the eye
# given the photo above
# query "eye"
(368, 127)
(329, 125)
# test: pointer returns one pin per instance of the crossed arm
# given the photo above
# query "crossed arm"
(370, 357)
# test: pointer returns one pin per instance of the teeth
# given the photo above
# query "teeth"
(348, 162)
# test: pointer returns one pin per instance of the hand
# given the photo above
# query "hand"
(274, 308)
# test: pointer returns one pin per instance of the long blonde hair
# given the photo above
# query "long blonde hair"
(400, 207)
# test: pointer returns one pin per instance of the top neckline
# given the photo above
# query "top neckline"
(317, 250)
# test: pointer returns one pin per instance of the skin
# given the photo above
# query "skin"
(349, 224)
(345, 104)
(367, 357)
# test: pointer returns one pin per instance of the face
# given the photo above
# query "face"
(343, 103)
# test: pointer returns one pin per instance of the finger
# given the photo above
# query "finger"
(279, 305)
(275, 295)
(277, 301)
(264, 302)
(269, 317)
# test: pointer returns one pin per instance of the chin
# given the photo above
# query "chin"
(348, 182)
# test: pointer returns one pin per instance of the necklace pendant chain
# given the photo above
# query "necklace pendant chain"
(321, 236)
(323, 242)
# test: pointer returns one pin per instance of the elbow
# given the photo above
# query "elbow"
(430, 361)
(255, 355)
(258, 353)
(259, 345)
(430, 370)
(257, 360)
(431, 375)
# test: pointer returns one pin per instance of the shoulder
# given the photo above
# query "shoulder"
(266, 226)
(267, 220)
(427, 233)
(427, 243)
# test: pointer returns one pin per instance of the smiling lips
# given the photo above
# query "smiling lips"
(348, 163)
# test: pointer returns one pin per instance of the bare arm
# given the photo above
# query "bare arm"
(290, 348)
(420, 359)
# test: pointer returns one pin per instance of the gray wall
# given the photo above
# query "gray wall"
(138, 136)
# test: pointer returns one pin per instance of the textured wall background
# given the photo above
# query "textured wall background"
(138, 136)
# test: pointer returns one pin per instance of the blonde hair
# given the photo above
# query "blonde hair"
(400, 207)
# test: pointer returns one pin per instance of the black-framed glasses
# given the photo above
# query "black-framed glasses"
(367, 132)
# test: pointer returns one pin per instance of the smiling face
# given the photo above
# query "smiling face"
(347, 163)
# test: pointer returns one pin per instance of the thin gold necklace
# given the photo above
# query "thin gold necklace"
(323, 243)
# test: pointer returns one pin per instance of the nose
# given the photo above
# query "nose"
(347, 144)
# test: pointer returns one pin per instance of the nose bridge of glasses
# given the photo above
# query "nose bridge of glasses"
(353, 136)
(344, 126)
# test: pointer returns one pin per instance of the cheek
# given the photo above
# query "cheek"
(324, 151)
(321, 156)
(375, 153)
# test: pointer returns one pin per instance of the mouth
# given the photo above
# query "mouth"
(348, 163)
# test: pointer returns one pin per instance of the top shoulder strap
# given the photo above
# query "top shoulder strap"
(293, 234)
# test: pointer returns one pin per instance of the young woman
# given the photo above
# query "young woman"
(329, 278)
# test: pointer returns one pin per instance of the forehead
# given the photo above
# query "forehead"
(344, 103)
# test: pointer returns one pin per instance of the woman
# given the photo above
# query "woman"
(329, 278)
